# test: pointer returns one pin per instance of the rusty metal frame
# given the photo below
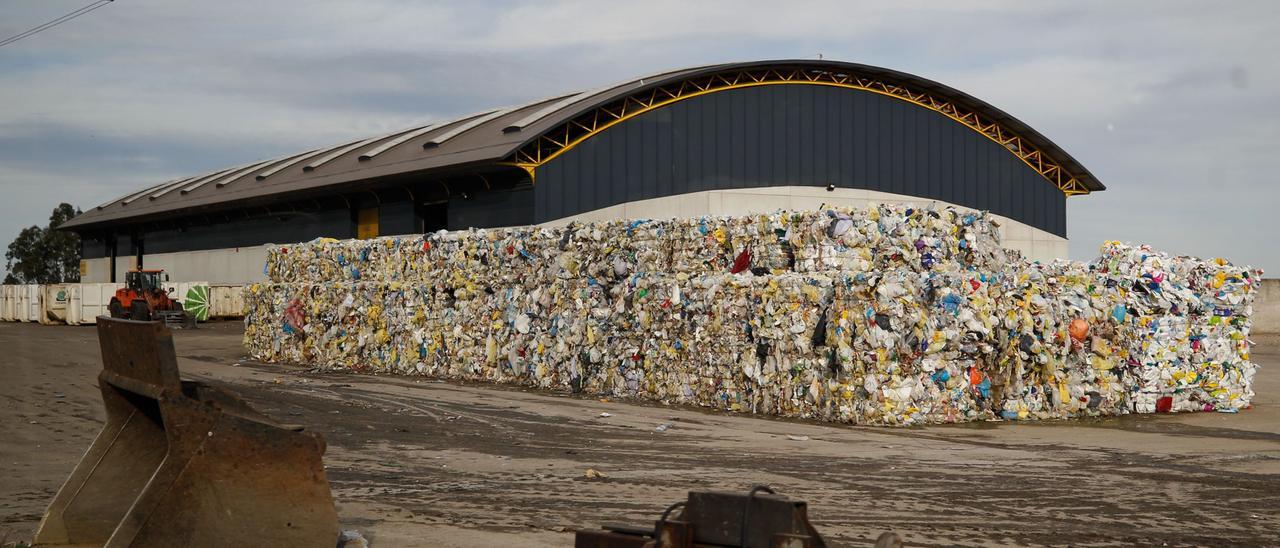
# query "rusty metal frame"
(567, 135)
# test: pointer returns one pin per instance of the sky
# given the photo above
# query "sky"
(1172, 105)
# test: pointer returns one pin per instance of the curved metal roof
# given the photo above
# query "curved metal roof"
(530, 134)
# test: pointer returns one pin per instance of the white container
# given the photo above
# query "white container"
(179, 291)
(182, 288)
(20, 300)
(19, 303)
(226, 301)
(54, 301)
(32, 308)
(73, 304)
(8, 303)
(94, 300)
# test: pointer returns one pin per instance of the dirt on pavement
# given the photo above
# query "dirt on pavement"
(416, 462)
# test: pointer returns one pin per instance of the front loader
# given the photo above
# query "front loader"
(144, 298)
(181, 463)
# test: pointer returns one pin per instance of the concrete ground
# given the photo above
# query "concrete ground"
(414, 462)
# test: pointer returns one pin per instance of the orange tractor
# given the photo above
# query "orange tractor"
(144, 298)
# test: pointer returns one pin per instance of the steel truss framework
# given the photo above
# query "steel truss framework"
(564, 137)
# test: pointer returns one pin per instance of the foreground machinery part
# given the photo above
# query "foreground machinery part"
(180, 463)
(757, 519)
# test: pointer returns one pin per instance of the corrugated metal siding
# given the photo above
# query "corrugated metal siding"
(795, 135)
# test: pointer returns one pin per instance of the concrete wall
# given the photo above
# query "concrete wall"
(230, 266)
(1266, 307)
(1032, 242)
(95, 270)
(236, 265)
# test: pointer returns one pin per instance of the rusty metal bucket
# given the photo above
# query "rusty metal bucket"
(180, 463)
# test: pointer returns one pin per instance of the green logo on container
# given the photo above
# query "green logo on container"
(197, 302)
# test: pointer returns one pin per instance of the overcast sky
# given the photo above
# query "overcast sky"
(1173, 105)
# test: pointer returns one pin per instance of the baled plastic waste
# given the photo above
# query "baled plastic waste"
(883, 315)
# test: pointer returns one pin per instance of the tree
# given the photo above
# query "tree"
(63, 246)
(45, 255)
(26, 257)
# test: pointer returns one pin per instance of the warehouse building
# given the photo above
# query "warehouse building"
(712, 140)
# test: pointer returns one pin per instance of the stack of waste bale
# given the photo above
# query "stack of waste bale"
(915, 347)
(1189, 323)
(788, 329)
(608, 251)
(879, 315)
(716, 245)
(887, 237)
(910, 333)
(1060, 344)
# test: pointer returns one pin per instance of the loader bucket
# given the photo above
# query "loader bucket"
(180, 463)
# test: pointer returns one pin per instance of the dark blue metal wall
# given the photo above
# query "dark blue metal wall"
(796, 135)
(491, 209)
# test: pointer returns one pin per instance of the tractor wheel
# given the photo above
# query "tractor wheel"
(138, 311)
(117, 311)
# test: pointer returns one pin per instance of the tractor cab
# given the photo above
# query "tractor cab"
(144, 280)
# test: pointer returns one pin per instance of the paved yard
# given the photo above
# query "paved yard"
(420, 463)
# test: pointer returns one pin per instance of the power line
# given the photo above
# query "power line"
(55, 22)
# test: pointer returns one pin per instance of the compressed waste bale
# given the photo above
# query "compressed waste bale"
(833, 240)
(613, 250)
(711, 245)
(916, 347)
(1190, 322)
(721, 342)
(1046, 371)
(648, 353)
(886, 237)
